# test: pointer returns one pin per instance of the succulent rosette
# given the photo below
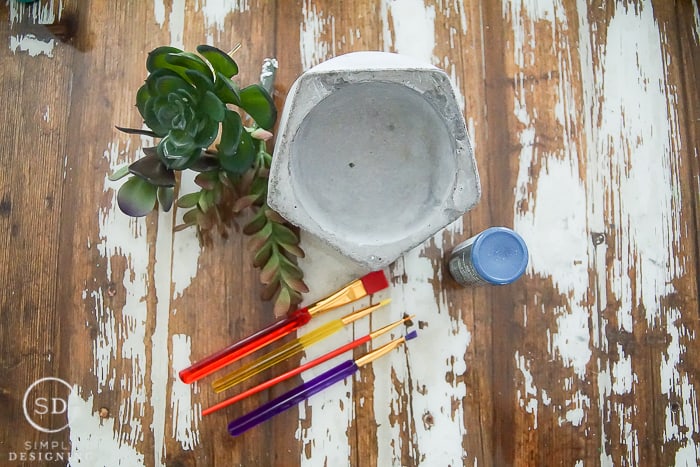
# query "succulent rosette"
(202, 121)
(187, 101)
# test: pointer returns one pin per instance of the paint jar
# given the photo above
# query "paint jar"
(496, 256)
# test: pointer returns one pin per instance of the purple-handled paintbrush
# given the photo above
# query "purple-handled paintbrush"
(306, 390)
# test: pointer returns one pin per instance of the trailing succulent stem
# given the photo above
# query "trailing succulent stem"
(187, 102)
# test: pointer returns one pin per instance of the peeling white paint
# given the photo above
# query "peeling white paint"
(636, 148)
(122, 334)
(163, 268)
(216, 11)
(185, 245)
(104, 347)
(185, 415)
(413, 33)
(314, 27)
(438, 351)
(122, 236)
(527, 399)
(176, 20)
(454, 7)
(32, 45)
(571, 341)
(45, 12)
(577, 407)
(623, 378)
(640, 124)
(94, 440)
(34, 13)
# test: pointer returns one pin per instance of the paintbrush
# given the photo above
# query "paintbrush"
(366, 285)
(291, 348)
(311, 387)
(284, 376)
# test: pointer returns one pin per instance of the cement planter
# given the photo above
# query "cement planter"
(373, 156)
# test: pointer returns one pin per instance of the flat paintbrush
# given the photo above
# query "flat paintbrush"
(311, 387)
(366, 285)
(291, 348)
(324, 358)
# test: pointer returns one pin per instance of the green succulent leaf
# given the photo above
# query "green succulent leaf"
(227, 90)
(269, 271)
(201, 81)
(189, 200)
(219, 60)
(293, 249)
(187, 60)
(284, 234)
(231, 130)
(283, 302)
(258, 221)
(259, 105)
(176, 156)
(168, 83)
(151, 119)
(259, 187)
(262, 255)
(207, 135)
(142, 96)
(246, 151)
(120, 173)
(236, 149)
(213, 106)
(136, 197)
(156, 58)
(165, 195)
(191, 216)
(206, 200)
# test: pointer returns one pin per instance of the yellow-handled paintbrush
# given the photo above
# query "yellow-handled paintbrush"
(291, 348)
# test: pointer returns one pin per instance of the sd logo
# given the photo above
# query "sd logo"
(45, 404)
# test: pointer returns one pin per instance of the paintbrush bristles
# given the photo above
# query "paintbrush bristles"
(352, 317)
(354, 291)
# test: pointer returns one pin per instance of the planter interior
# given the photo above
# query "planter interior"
(372, 158)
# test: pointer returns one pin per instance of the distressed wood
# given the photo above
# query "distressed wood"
(584, 119)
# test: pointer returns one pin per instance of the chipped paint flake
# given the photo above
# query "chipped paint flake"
(185, 416)
(315, 26)
(32, 45)
(216, 11)
(94, 439)
(413, 30)
(34, 13)
(527, 399)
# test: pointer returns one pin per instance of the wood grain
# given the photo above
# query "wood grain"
(584, 120)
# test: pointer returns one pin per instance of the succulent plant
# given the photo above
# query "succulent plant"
(187, 102)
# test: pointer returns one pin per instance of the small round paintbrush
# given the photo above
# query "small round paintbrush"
(311, 387)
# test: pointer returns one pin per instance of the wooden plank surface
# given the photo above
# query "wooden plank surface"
(584, 120)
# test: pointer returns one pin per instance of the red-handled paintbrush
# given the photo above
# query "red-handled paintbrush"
(366, 285)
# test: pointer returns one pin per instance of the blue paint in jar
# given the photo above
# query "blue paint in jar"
(496, 256)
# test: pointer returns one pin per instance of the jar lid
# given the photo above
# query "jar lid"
(499, 255)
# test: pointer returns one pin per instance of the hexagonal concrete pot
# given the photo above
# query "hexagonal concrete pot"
(373, 156)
